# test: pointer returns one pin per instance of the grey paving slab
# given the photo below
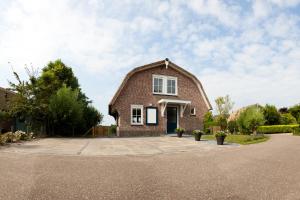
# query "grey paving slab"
(112, 146)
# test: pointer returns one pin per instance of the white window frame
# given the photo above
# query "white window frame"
(142, 113)
(159, 77)
(194, 111)
(165, 84)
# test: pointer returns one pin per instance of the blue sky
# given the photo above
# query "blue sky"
(248, 49)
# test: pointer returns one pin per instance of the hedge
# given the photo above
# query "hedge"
(296, 131)
(277, 129)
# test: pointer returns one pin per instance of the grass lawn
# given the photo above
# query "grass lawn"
(240, 139)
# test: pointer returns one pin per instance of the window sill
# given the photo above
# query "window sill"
(163, 94)
(137, 124)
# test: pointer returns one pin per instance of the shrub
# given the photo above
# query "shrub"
(220, 134)
(15, 137)
(10, 136)
(112, 130)
(271, 115)
(179, 130)
(287, 118)
(208, 121)
(3, 139)
(221, 120)
(250, 119)
(232, 126)
(26, 136)
(295, 111)
(277, 129)
(296, 131)
(198, 132)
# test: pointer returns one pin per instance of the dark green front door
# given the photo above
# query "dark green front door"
(171, 119)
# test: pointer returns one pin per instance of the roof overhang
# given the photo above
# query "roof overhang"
(182, 103)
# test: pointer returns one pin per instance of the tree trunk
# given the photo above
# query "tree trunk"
(254, 132)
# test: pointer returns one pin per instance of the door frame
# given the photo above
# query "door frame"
(177, 116)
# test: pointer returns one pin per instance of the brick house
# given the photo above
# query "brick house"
(156, 98)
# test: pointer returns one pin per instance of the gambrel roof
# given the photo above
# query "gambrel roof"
(156, 64)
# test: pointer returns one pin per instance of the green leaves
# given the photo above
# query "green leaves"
(250, 119)
(272, 116)
(65, 107)
(54, 99)
(295, 111)
(224, 105)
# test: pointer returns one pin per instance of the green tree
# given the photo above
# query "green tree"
(33, 98)
(287, 118)
(295, 111)
(208, 121)
(91, 116)
(223, 107)
(24, 105)
(232, 126)
(4, 115)
(272, 116)
(66, 111)
(221, 120)
(250, 119)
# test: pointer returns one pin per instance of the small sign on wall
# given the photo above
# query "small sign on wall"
(151, 116)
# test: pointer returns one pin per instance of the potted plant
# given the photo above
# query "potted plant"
(179, 131)
(220, 136)
(197, 134)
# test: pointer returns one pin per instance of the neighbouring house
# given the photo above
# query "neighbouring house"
(5, 97)
(156, 98)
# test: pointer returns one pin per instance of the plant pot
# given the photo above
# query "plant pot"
(220, 140)
(198, 137)
(179, 134)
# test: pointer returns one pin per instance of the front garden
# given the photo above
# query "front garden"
(240, 139)
(248, 125)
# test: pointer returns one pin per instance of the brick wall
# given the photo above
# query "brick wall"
(138, 90)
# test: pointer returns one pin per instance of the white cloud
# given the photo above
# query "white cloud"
(226, 14)
(261, 8)
(253, 53)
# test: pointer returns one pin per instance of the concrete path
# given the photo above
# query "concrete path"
(113, 146)
(269, 170)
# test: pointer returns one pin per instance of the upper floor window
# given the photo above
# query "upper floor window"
(157, 84)
(166, 85)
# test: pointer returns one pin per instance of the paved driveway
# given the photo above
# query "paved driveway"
(114, 146)
(269, 170)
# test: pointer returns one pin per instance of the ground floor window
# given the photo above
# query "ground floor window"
(136, 114)
(151, 116)
(193, 111)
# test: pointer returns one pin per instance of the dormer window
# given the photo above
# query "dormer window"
(165, 85)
